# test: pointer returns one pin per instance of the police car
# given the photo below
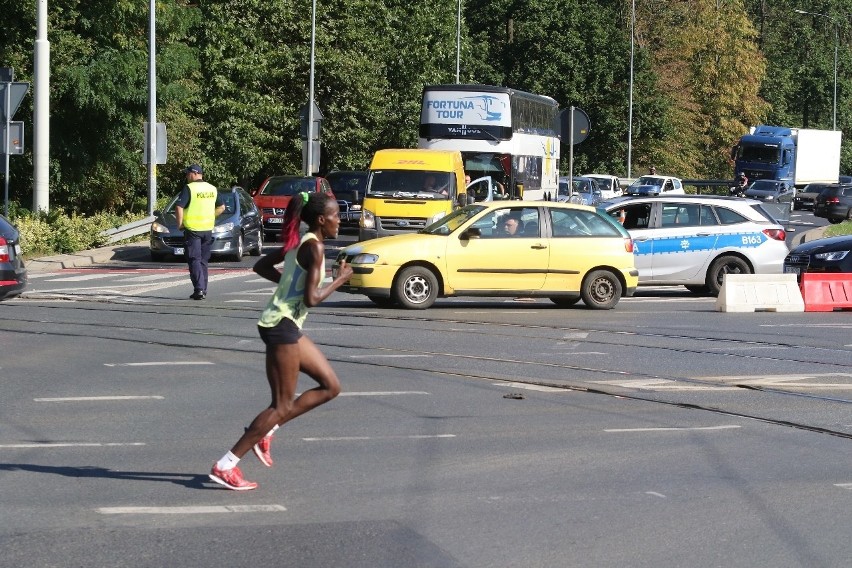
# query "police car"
(695, 240)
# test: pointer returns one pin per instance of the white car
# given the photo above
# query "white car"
(655, 185)
(610, 185)
(694, 241)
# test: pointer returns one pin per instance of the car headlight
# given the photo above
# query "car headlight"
(223, 228)
(836, 255)
(159, 227)
(368, 219)
(435, 217)
(365, 258)
(355, 208)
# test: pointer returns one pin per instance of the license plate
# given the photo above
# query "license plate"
(178, 251)
(275, 220)
(791, 270)
(17, 249)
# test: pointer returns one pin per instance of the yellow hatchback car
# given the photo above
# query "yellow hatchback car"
(561, 251)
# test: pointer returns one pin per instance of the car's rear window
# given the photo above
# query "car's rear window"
(730, 217)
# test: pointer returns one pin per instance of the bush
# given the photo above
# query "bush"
(844, 228)
(57, 233)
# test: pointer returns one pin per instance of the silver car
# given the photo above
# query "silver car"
(695, 240)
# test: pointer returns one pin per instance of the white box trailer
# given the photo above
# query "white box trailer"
(817, 156)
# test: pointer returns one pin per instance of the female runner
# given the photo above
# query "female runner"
(288, 351)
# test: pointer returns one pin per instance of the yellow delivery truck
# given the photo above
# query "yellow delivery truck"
(409, 189)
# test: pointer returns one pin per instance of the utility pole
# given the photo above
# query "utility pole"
(41, 113)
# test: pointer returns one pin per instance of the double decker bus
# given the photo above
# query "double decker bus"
(507, 135)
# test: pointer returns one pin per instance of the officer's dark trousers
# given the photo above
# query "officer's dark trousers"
(197, 256)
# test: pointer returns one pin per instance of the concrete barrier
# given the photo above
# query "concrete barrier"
(825, 292)
(760, 292)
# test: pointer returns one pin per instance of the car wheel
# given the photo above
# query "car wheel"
(700, 290)
(416, 288)
(564, 302)
(834, 220)
(381, 301)
(258, 250)
(721, 266)
(237, 255)
(601, 290)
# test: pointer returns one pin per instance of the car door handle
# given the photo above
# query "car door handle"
(538, 246)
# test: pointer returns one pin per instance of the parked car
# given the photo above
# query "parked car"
(275, 193)
(833, 254)
(237, 229)
(610, 185)
(655, 185)
(834, 203)
(349, 188)
(13, 272)
(771, 191)
(561, 251)
(694, 241)
(585, 191)
(805, 199)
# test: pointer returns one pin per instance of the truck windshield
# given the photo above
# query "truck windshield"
(410, 184)
(765, 154)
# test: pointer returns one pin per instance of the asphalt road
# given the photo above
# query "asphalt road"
(479, 433)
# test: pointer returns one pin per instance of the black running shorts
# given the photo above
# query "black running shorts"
(285, 333)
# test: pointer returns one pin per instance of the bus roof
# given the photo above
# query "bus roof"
(490, 89)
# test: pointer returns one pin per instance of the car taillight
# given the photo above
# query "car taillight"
(628, 245)
(777, 234)
(4, 250)
(832, 200)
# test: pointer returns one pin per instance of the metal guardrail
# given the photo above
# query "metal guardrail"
(129, 230)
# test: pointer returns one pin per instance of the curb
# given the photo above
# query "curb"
(132, 251)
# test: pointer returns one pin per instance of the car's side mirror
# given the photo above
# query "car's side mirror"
(470, 233)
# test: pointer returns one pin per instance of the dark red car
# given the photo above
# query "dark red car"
(275, 193)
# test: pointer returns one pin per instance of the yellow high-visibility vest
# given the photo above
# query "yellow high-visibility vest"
(200, 215)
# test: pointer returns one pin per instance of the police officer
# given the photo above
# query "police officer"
(196, 211)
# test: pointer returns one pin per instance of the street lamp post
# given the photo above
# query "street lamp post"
(630, 103)
(836, 42)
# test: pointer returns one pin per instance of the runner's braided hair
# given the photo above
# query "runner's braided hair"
(305, 207)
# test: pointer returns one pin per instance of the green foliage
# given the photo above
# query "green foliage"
(844, 228)
(57, 233)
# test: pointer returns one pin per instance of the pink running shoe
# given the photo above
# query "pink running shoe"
(231, 478)
(261, 450)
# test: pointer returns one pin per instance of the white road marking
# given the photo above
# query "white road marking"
(539, 388)
(565, 353)
(844, 485)
(194, 510)
(151, 277)
(576, 335)
(70, 445)
(98, 398)
(362, 438)
(655, 494)
(380, 393)
(661, 384)
(374, 356)
(241, 301)
(684, 429)
(82, 277)
(157, 363)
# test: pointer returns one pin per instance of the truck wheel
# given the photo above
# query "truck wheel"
(415, 288)
(601, 290)
(721, 266)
